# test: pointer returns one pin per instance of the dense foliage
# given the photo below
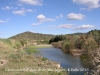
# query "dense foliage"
(91, 40)
(87, 43)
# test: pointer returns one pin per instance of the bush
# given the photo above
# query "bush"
(23, 42)
(66, 47)
(15, 57)
(44, 59)
(89, 45)
(31, 50)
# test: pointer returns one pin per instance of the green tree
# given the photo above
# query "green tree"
(66, 47)
(89, 45)
(80, 41)
(94, 34)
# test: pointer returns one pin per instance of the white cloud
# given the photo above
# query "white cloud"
(32, 2)
(82, 27)
(61, 26)
(20, 4)
(64, 26)
(88, 3)
(2, 21)
(22, 11)
(6, 8)
(19, 12)
(42, 18)
(60, 16)
(29, 10)
(73, 16)
(9, 8)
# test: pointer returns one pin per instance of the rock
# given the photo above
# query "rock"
(58, 65)
(2, 62)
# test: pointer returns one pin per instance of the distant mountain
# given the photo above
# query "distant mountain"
(79, 33)
(29, 36)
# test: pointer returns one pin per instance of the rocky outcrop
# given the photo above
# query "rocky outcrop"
(96, 63)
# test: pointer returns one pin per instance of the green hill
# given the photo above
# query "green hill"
(29, 36)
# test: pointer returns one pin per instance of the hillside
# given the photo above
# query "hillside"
(29, 36)
(17, 59)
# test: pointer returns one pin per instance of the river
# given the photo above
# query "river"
(66, 61)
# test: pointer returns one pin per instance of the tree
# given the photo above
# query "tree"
(51, 40)
(57, 38)
(80, 41)
(89, 45)
(66, 47)
(94, 34)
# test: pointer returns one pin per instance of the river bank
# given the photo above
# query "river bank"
(20, 63)
(93, 62)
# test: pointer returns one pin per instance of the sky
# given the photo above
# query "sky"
(48, 16)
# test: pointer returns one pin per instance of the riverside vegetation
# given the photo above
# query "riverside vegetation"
(12, 54)
(16, 56)
(87, 43)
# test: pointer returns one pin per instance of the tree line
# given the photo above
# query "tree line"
(88, 43)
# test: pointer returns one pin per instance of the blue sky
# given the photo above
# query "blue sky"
(48, 16)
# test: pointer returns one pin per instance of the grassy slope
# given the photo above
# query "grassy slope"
(20, 60)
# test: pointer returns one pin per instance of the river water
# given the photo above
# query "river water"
(68, 62)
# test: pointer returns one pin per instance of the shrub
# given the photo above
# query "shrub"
(31, 50)
(16, 57)
(44, 59)
(23, 42)
(66, 47)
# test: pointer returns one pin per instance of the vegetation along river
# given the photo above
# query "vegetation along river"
(66, 61)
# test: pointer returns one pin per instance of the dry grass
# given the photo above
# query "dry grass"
(16, 60)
